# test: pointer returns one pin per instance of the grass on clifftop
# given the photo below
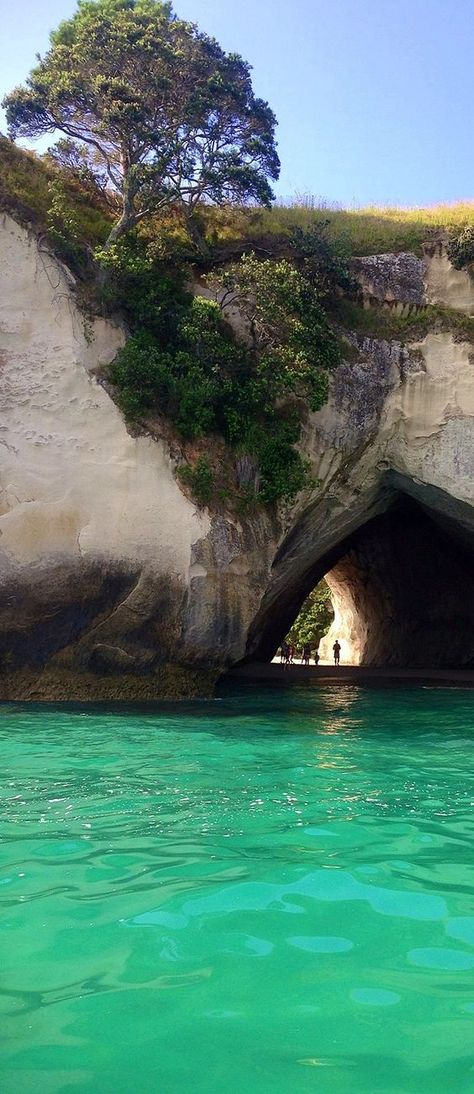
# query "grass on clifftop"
(25, 187)
(366, 231)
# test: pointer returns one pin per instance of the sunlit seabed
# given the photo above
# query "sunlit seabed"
(271, 892)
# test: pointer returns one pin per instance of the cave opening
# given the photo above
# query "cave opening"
(311, 626)
(402, 589)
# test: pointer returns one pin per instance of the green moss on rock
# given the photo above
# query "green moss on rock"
(53, 684)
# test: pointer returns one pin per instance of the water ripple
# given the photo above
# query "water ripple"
(267, 892)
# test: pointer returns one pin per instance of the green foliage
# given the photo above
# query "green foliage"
(292, 343)
(185, 363)
(199, 478)
(461, 248)
(157, 110)
(189, 374)
(78, 163)
(151, 295)
(314, 618)
(28, 186)
(323, 261)
(283, 470)
(62, 222)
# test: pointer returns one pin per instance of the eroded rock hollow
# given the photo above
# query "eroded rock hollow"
(404, 592)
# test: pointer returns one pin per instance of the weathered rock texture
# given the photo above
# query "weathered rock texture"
(391, 279)
(114, 584)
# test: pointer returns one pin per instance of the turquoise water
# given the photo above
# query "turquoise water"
(268, 892)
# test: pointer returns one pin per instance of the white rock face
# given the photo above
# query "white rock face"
(72, 478)
(348, 626)
(76, 489)
(107, 569)
(445, 285)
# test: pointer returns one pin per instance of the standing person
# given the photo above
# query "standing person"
(316, 657)
(283, 652)
(306, 655)
(337, 652)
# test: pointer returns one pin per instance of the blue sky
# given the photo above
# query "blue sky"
(373, 97)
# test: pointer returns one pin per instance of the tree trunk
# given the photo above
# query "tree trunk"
(195, 234)
(123, 224)
(128, 215)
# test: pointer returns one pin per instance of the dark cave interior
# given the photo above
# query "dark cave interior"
(403, 587)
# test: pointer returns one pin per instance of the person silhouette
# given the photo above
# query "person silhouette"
(337, 652)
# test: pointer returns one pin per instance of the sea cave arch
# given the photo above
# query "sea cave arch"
(402, 584)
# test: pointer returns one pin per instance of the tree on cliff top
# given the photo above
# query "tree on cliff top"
(155, 106)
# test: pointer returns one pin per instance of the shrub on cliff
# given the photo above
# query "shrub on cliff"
(291, 341)
(159, 113)
(190, 378)
(461, 248)
(185, 363)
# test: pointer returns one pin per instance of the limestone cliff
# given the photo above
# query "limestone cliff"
(113, 583)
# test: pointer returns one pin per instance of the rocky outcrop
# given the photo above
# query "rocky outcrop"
(114, 584)
(405, 281)
(391, 279)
